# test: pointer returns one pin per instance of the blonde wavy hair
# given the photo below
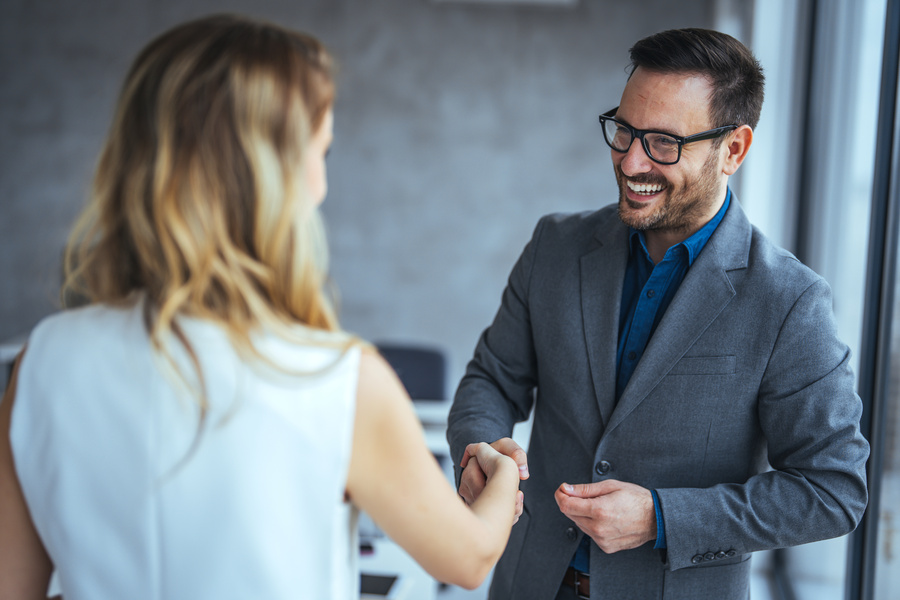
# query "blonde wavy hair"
(199, 200)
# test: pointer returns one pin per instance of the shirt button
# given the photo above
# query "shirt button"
(632, 355)
(603, 467)
(571, 534)
(651, 293)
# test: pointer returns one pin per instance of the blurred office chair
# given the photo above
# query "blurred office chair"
(421, 369)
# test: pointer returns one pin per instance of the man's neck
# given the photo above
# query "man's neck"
(659, 241)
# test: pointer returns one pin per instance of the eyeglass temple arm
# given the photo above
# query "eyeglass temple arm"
(708, 135)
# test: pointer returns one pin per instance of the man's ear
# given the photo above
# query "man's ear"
(737, 144)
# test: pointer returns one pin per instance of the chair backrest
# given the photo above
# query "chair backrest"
(422, 370)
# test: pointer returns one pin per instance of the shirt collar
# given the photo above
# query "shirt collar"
(694, 244)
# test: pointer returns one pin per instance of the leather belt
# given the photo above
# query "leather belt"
(581, 582)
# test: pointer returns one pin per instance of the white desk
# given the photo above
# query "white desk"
(389, 559)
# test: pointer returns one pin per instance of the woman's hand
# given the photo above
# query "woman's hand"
(487, 461)
(488, 458)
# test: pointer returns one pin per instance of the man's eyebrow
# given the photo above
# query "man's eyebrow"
(653, 130)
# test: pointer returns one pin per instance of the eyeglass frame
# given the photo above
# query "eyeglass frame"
(709, 134)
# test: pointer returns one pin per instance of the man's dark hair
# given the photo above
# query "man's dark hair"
(735, 74)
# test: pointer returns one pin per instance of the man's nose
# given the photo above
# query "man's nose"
(635, 160)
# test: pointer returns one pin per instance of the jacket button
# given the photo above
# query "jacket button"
(709, 556)
(720, 554)
(730, 553)
(697, 559)
(603, 467)
(571, 533)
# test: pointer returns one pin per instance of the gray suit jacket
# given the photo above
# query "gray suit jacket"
(741, 413)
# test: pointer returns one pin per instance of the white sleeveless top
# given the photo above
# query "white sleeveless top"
(131, 503)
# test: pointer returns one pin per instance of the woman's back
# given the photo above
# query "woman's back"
(132, 501)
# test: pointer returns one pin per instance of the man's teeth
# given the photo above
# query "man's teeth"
(645, 188)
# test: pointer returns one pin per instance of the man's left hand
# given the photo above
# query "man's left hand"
(617, 515)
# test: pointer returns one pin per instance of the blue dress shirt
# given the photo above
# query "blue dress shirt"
(646, 294)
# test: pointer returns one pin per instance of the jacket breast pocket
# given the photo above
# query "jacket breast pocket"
(704, 365)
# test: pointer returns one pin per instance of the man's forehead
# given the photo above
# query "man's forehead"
(665, 101)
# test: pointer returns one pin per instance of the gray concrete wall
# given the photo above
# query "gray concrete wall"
(457, 126)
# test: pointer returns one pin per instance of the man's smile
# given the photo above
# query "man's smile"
(645, 189)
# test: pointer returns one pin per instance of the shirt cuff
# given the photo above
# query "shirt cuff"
(660, 526)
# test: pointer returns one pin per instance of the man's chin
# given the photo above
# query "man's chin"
(639, 215)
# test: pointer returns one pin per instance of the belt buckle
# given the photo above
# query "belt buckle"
(578, 577)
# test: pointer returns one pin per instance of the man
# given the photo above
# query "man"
(692, 402)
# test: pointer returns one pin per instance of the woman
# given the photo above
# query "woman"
(203, 428)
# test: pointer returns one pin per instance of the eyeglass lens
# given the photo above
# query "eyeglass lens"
(659, 146)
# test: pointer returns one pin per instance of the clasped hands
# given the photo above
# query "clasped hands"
(617, 515)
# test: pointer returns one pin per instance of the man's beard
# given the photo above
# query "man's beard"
(681, 210)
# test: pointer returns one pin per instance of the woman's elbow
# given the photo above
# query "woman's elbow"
(469, 578)
(470, 570)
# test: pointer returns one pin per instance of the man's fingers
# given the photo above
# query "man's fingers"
(573, 506)
(520, 505)
(589, 490)
(510, 448)
(617, 515)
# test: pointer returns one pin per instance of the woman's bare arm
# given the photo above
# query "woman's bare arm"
(25, 567)
(396, 480)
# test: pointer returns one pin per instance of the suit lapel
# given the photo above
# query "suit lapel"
(704, 293)
(602, 273)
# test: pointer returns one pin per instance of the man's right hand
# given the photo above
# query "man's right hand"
(472, 481)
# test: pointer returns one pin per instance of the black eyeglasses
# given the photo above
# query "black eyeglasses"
(663, 148)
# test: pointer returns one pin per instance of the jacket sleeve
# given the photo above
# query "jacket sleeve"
(497, 390)
(809, 414)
